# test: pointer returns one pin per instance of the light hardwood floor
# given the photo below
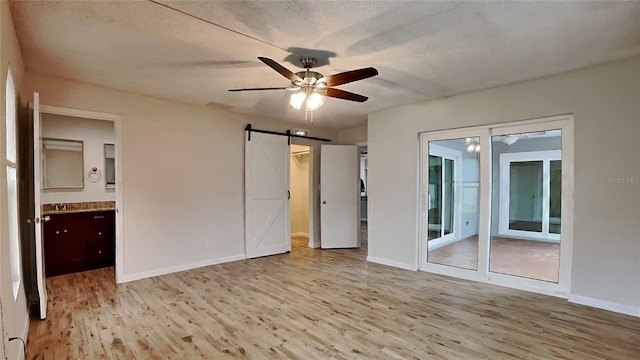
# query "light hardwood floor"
(317, 304)
(531, 259)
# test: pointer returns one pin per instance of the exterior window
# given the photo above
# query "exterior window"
(12, 184)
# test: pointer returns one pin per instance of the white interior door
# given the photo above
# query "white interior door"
(267, 217)
(37, 179)
(339, 196)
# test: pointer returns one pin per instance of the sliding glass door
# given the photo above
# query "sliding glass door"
(494, 205)
(528, 188)
(451, 174)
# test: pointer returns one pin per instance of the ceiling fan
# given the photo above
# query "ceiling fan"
(512, 138)
(312, 87)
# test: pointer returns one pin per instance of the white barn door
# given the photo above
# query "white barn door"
(340, 196)
(267, 219)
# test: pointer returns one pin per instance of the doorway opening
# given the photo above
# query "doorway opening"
(364, 186)
(300, 200)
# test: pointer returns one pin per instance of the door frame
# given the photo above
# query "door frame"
(119, 216)
(485, 132)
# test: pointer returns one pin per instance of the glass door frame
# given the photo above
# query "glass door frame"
(484, 133)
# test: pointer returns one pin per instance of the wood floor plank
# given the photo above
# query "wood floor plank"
(317, 304)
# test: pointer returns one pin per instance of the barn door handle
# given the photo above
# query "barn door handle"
(288, 194)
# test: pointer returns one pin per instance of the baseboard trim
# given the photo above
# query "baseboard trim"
(178, 268)
(303, 234)
(605, 305)
(438, 243)
(396, 264)
(314, 245)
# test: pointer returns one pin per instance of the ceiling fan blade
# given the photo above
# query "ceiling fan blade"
(349, 76)
(257, 89)
(341, 94)
(280, 69)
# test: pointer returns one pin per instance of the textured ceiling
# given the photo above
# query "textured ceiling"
(423, 50)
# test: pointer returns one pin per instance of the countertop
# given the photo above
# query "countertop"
(78, 207)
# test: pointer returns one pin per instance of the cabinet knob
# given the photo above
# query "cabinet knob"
(99, 232)
(64, 231)
(57, 232)
(99, 251)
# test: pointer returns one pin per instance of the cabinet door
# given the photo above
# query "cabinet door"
(74, 244)
(53, 246)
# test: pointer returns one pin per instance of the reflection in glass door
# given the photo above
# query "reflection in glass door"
(453, 202)
(525, 238)
(441, 197)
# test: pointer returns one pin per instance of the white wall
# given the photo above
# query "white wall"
(15, 320)
(299, 187)
(94, 134)
(182, 175)
(605, 101)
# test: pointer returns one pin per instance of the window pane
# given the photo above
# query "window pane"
(435, 200)
(14, 248)
(555, 196)
(524, 240)
(448, 193)
(454, 177)
(11, 119)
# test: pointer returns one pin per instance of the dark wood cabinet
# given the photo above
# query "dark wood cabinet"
(76, 242)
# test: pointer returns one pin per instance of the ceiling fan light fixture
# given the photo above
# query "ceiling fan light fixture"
(314, 101)
(509, 139)
(297, 99)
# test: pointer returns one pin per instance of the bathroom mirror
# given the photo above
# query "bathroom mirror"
(110, 165)
(62, 164)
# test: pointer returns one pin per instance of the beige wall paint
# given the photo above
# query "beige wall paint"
(15, 320)
(182, 168)
(93, 134)
(605, 102)
(299, 185)
(353, 136)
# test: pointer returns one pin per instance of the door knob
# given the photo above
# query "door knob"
(324, 202)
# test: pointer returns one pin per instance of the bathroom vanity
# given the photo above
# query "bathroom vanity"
(78, 238)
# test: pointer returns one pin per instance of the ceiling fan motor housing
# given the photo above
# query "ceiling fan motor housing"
(308, 78)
